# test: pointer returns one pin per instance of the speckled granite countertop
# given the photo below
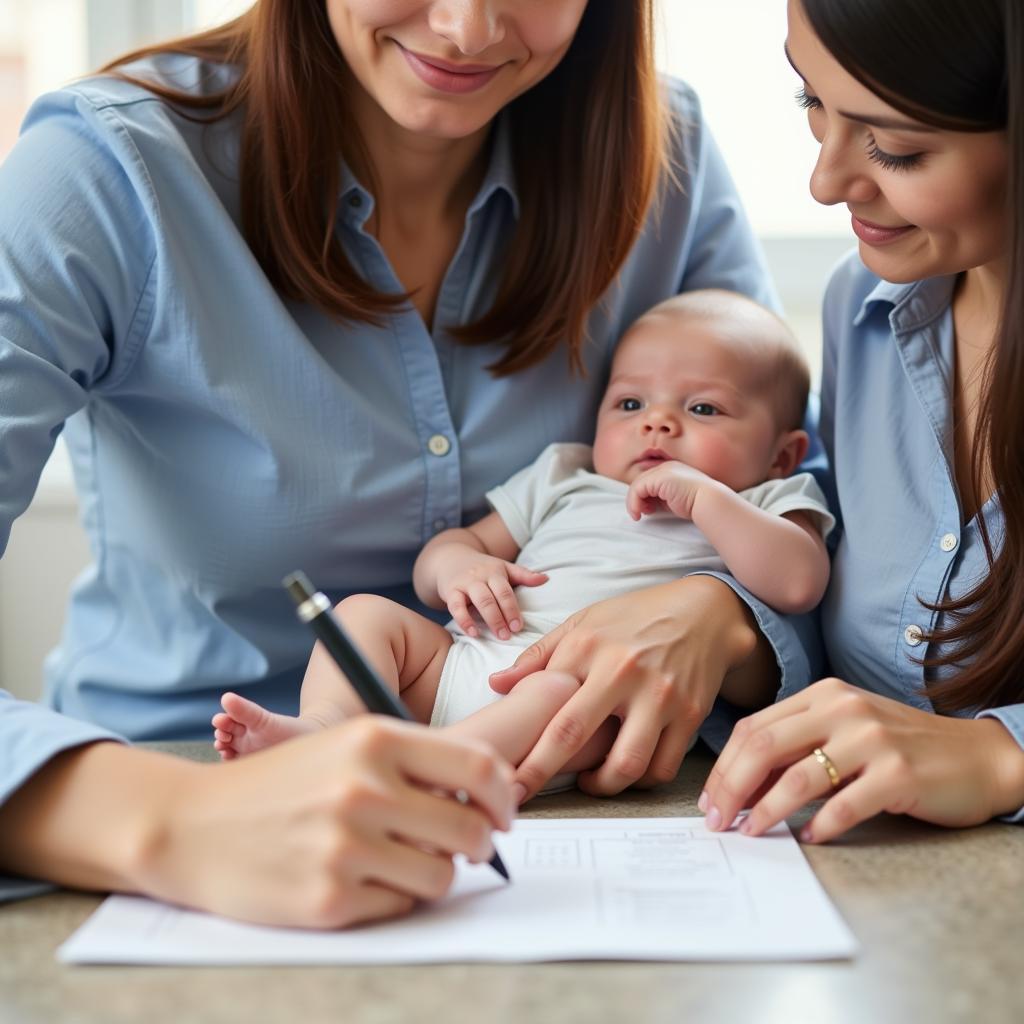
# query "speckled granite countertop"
(939, 915)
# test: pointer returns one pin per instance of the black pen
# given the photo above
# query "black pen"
(315, 610)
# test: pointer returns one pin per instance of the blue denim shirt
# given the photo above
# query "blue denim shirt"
(887, 428)
(222, 436)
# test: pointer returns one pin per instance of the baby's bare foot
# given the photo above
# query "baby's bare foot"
(244, 727)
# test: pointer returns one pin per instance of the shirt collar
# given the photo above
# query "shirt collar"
(500, 176)
(357, 202)
(911, 305)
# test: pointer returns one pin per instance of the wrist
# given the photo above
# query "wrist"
(708, 504)
(731, 620)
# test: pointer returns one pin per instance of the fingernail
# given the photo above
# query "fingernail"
(714, 819)
(515, 625)
(806, 836)
(503, 634)
(745, 826)
(518, 793)
(702, 801)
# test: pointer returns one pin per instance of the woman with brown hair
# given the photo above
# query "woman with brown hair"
(919, 109)
(299, 291)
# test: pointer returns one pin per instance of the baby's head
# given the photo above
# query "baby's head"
(711, 379)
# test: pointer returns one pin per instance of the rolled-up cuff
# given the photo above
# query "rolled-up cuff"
(1012, 716)
(30, 736)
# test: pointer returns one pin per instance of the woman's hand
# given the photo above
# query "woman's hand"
(887, 756)
(352, 824)
(654, 659)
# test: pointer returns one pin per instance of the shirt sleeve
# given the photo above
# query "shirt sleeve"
(1012, 716)
(30, 735)
(526, 497)
(797, 493)
(76, 252)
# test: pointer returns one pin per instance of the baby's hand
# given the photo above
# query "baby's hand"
(475, 580)
(671, 485)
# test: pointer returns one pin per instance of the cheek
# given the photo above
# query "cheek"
(547, 27)
(351, 20)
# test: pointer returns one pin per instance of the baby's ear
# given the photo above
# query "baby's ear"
(789, 453)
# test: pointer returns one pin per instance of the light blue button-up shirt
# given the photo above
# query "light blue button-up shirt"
(222, 436)
(887, 428)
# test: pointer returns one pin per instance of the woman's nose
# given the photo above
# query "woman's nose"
(840, 175)
(470, 25)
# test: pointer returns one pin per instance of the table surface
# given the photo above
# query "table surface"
(939, 916)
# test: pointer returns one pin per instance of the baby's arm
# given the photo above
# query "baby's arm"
(780, 559)
(474, 567)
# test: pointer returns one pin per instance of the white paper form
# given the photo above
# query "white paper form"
(583, 888)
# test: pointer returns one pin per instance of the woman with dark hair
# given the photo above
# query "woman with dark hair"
(299, 291)
(919, 109)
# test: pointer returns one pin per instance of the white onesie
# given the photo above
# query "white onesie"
(572, 524)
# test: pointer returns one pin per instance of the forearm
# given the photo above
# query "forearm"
(91, 816)
(775, 559)
(431, 558)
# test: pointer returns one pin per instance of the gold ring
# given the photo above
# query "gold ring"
(826, 762)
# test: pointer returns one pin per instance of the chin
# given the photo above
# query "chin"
(430, 122)
(894, 269)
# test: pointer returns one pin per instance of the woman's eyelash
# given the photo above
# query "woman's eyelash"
(886, 160)
(806, 100)
(891, 162)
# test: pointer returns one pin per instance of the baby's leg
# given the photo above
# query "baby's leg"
(513, 724)
(406, 650)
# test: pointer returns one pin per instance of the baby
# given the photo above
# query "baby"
(697, 436)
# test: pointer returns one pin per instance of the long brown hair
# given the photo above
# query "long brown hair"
(588, 145)
(959, 65)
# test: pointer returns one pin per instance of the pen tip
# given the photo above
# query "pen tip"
(499, 865)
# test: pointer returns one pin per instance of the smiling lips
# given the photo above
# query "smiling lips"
(445, 77)
(877, 234)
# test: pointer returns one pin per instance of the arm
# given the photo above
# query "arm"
(314, 823)
(781, 559)
(470, 568)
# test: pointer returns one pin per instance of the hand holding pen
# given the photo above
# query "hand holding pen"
(315, 610)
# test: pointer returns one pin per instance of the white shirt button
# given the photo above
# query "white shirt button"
(439, 445)
(913, 635)
(948, 542)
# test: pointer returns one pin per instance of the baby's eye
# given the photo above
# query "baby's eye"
(703, 409)
(628, 404)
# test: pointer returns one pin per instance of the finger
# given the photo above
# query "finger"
(745, 727)
(778, 745)
(668, 755)
(520, 576)
(863, 798)
(459, 611)
(630, 756)
(578, 720)
(436, 760)
(394, 863)
(800, 783)
(502, 590)
(369, 902)
(490, 611)
(533, 659)
(438, 820)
